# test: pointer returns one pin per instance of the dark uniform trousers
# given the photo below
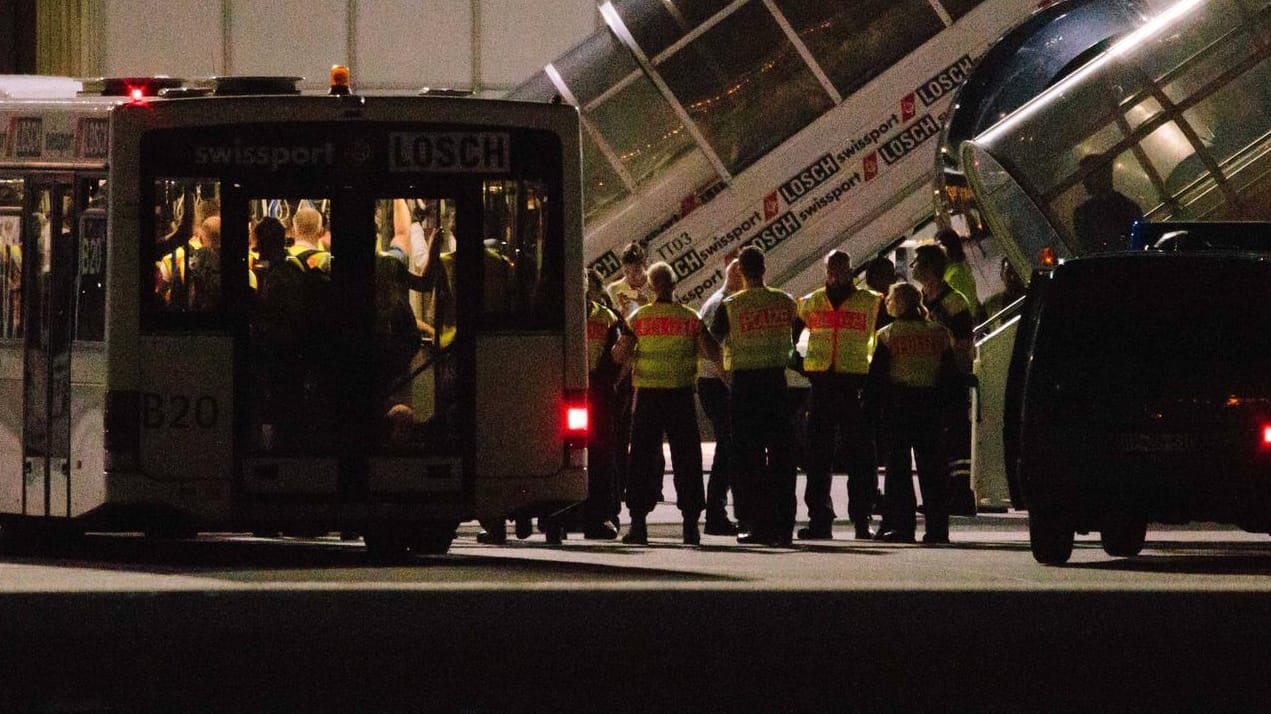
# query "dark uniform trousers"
(835, 409)
(672, 412)
(713, 395)
(912, 423)
(763, 456)
(600, 451)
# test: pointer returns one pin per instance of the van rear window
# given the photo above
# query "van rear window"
(1141, 324)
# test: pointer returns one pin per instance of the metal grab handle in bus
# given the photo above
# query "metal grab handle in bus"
(424, 343)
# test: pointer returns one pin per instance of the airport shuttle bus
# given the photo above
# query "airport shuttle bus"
(415, 358)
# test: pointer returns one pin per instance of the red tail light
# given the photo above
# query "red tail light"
(576, 419)
(1266, 436)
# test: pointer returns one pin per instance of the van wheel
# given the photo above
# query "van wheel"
(433, 538)
(1049, 537)
(1123, 536)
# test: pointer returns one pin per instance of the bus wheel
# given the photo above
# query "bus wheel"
(433, 538)
(22, 536)
(1123, 535)
(1049, 537)
(386, 543)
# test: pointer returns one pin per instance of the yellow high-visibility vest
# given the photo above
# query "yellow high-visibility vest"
(600, 321)
(840, 339)
(666, 346)
(916, 348)
(759, 325)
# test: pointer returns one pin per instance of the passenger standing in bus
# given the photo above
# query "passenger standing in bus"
(668, 338)
(307, 229)
(840, 322)
(203, 268)
(755, 325)
(913, 368)
(275, 321)
(712, 394)
(947, 307)
(170, 270)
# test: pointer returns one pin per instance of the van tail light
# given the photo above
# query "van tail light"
(122, 430)
(1265, 441)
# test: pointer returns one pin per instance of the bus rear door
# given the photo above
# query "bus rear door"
(351, 384)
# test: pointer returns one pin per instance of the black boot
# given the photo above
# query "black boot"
(638, 533)
(691, 535)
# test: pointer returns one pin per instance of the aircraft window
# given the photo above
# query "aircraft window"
(855, 41)
(647, 145)
(11, 194)
(747, 97)
(658, 25)
(603, 187)
(594, 66)
(185, 257)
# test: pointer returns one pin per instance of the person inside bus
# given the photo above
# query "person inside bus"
(1103, 220)
(307, 228)
(170, 269)
(275, 324)
(396, 334)
(203, 268)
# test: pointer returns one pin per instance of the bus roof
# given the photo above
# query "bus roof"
(24, 86)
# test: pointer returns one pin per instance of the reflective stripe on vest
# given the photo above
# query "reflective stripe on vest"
(600, 320)
(842, 339)
(916, 348)
(759, 323)
(666, 346)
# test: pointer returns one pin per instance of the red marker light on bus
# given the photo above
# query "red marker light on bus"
(576, 420)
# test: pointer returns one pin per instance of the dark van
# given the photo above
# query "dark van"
(1141, 391)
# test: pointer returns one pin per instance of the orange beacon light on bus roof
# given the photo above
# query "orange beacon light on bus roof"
(339, 80)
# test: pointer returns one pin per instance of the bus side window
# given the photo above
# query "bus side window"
(523, 276)
(11, 193)
(186, 260)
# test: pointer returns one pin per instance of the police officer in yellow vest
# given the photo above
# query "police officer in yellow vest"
(912, 372)
(668, 339)
(840, 321)
(756, 327)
